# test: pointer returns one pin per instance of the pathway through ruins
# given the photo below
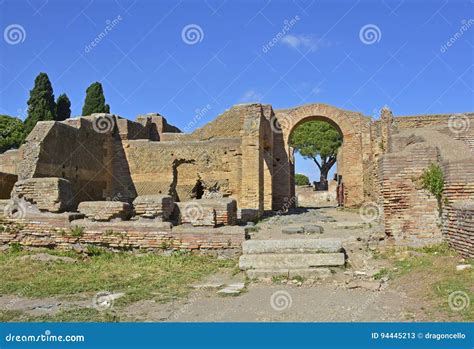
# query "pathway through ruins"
(349, 294)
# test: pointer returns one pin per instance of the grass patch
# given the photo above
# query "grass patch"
(162, 278)
(436, 266)
(79, 315)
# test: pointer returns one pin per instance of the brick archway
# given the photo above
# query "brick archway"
(351, 159)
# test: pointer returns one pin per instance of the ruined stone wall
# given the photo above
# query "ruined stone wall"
(9, 161)
(76, 152)
(176, 167)
(459, 227)
(410, 213)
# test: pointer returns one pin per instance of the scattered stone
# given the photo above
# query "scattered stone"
(461, 267)
(250, 223)
(360, 273)
(313, 229)
(208, 285)
(45, 257)
(292, 230)
(368, 285)
(232, 289)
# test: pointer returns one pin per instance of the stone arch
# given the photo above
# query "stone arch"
(351, 166)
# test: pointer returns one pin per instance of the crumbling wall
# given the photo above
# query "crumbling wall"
(410, 213)
(74, 151)
(414, 144)
(176, 168)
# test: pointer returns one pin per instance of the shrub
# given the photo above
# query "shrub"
(301, 179)
(432, 180)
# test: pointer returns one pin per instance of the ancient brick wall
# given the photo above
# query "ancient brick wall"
(176, 167)
(415, 142)
(9, 161)
(74, 151)
(459, 227)
(55, 232)
(410, 213)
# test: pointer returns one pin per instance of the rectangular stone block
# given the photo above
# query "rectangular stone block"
(105, 210)
(154, 206)
(290, 261)
(49, 194)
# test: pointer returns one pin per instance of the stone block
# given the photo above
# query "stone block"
(195, 214)
(105, 210)
(154, 206)
(290, 261)
(49, 194)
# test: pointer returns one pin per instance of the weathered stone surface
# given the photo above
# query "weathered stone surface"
(313, 229)
(290, 261)
(309, 273)
(154, 206)
(105, 210)
(48, 194)
(292, 246)
(232, 289)
(293, 230)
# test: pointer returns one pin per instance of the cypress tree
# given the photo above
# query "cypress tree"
(95, 100)
(41, 105)
(63, 108)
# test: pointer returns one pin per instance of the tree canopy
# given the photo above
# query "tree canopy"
(41, 105)
(95, 100)
(301, 179)
(12, 132)
(63, 108)
(317, 138)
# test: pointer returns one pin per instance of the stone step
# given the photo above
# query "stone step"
(290, 261)
(308, 273)
(292, 246)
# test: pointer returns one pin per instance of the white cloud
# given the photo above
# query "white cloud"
(251, 96)
(307, 42)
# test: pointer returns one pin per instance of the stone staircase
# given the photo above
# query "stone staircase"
(309, 258)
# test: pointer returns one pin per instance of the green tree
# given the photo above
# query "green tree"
(301, 179)
(63, 108)
(41, 105)
(12, 132)
(317, 138)
(95, 100)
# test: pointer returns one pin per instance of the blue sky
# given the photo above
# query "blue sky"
(147, 64)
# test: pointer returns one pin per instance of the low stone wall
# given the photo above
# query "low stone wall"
(308, 197)
(459, 228)
(57, 231)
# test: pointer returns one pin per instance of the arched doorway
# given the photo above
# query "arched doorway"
(350, 166)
